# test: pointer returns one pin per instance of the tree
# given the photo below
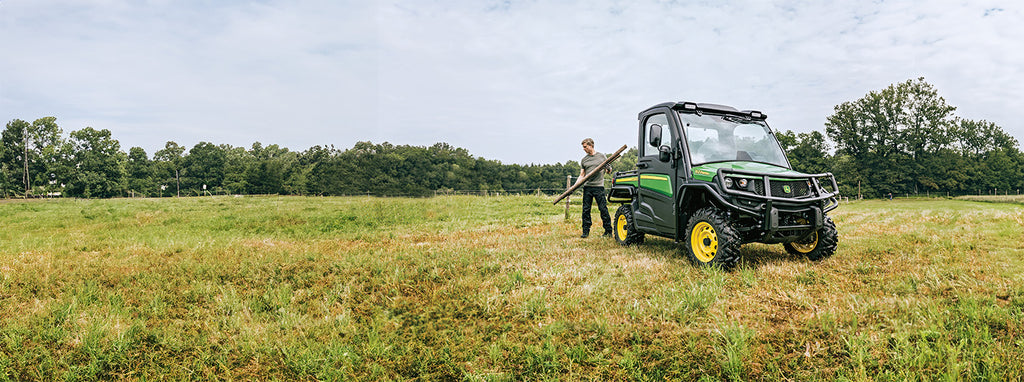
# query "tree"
(975, 138)
(204, 166)
(140, 172)
(99, 164)
(905, 138)
(34, 156)
(892, 131)
(168, 166)
(271, 169)
(321, 173)
(807, 152)
(49, 155)
(13, 158)
(4, 180)
(237, 162)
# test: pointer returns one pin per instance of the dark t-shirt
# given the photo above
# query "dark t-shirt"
(589, 163)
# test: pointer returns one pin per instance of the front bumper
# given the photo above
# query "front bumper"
(794, 215)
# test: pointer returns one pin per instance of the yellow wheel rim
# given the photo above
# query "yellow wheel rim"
(806, 247)
(704, 242)
(620, 227)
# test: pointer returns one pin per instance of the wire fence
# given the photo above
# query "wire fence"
(520, 192)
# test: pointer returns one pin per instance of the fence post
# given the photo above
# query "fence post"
(568, 183)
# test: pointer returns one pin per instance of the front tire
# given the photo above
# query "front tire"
(711, 240)
(625, 231)
(818, 246)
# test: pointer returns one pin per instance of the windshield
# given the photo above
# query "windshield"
(714, 138)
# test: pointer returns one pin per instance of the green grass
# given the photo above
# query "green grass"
(494, 289)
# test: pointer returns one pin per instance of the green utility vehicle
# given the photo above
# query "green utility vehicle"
(714, 178)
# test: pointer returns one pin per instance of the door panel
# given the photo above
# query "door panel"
(656, 202)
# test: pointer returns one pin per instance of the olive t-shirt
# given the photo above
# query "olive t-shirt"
(589, 163)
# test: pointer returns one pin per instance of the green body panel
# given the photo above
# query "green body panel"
(708, 171)
(659, 183)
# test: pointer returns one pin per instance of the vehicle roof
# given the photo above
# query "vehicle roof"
(705, 107)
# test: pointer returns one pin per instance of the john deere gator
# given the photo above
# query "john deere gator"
(713, 178)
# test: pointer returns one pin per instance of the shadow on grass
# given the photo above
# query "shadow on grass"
(757, 255)
(752, 255)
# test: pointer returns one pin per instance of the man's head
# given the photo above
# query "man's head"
(588, 146)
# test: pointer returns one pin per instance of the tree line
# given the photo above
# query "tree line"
(904, 139)
(37, 160)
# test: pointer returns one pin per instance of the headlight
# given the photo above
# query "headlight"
(743, 183)
(728, 182)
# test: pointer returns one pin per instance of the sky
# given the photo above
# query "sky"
(514, 81)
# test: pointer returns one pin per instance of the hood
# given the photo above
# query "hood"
(707, 172)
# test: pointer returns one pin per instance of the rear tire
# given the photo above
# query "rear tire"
(820, 245)
(625, 230)
(711, 240)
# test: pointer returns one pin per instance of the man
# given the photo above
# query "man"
(594, 188)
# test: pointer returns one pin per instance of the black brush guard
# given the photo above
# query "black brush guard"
(773, 210)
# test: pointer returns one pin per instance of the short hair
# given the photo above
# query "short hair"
(588, 142)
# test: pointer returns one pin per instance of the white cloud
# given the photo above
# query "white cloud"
(155, 72)
(520, 82)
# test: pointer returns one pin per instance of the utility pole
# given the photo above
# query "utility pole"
(178, 181)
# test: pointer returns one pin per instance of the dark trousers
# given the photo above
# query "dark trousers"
(589, 194)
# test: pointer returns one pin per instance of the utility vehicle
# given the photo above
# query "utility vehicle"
(714, 177)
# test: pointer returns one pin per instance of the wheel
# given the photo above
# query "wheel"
(820, 245)
(711, 240)
(625, 231)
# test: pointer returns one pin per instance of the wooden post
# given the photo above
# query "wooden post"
(568, 183)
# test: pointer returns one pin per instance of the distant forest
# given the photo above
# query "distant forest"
(903, 140)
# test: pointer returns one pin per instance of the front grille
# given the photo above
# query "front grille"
(796, 189)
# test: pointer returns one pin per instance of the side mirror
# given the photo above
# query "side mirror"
(654, 135)
(664, 153)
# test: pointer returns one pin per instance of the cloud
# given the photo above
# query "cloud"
(517, 81)
(225, 74)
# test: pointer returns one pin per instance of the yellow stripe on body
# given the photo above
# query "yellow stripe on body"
(654, 177)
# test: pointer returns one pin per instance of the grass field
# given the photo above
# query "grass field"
(492, 289)
(1019, 199)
